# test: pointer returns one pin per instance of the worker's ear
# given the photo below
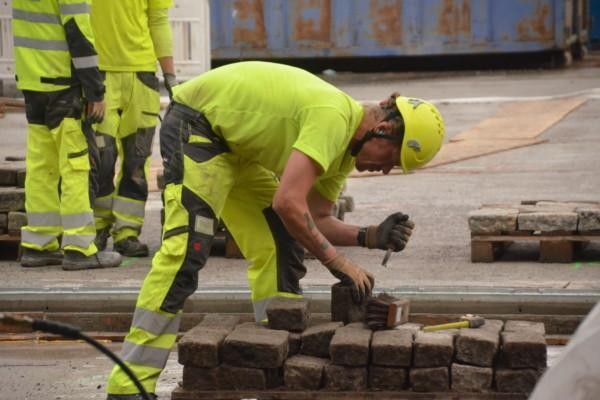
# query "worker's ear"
(383, 128)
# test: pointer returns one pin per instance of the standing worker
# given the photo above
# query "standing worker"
(225, 139)
(131, 36)
(56, 65)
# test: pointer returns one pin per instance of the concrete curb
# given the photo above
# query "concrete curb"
(447, 300)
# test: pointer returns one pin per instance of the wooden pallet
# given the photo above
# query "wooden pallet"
(555, 247)
(181, 394)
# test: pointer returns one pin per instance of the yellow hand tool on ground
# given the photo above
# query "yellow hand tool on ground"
(466, 321)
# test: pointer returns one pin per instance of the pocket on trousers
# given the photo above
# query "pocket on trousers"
(175, 236)
(79, 161)
(175, 244)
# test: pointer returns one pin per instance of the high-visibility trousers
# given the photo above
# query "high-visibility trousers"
(204, 182)
(57, 195)
(132, 107)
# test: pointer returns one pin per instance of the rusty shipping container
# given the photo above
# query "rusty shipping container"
(242, 29)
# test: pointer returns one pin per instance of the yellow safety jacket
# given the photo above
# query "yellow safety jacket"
(53, 44)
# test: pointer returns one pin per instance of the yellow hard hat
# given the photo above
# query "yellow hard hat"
(423, 132)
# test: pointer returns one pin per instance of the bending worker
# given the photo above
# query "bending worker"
(57, 70)
(131, 35)
(225, 139)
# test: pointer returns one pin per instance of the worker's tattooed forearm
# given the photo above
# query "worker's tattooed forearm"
(309, 221)
(323, 243)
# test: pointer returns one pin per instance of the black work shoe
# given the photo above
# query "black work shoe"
(131, 247)
(130, 396)
(40, 258)
(102, 236)
(75, 260)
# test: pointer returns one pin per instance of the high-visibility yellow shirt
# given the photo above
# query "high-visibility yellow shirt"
(264, 110)
(123, 38)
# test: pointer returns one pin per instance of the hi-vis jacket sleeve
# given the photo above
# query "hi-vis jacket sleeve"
(160, 30)
(75, 17)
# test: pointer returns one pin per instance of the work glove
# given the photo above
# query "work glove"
(95, 111)
(170, 82)
(393, 233)
(360, 281)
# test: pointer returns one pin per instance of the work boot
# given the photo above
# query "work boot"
(131, 247)
(75, 260)
(102, 236)
(130, 396)
(40, 258)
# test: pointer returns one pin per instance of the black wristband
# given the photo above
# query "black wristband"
(361, 238)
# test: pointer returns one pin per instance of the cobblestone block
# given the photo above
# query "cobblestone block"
(412, 327)
(12, 199)
(493, 325)
(256, 348)
(240, 378)
(8, 175)
(21, 177)
(516, 380)
(429, 379)
(294, 343)
(432, 349)
(304, 372)
(589, 219)
(339, 377)
(467, 378)
(477, 347)
(387, 378)
(392, 348)
(200, 347)
(350, 346)
(16, 220)
(493, 220)
(518, 326)
(227, 377)
(250, 326)
(200, 378)
(316, 339)
(524, 349)
(343, 308)
(288, 314)
(547, 221)
(3, 222)
(220, 321)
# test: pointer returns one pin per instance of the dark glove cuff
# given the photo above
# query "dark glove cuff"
(361, 238)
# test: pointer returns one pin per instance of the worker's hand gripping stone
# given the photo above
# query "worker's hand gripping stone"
(393, 233)
(360, 281)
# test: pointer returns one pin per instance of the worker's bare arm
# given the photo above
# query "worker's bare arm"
(290, 203)
(336, 231)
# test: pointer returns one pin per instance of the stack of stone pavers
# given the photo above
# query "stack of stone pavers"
(12, 200)
(294, 354)
(556, 225)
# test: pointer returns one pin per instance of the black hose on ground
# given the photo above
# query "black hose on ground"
(72, 332)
